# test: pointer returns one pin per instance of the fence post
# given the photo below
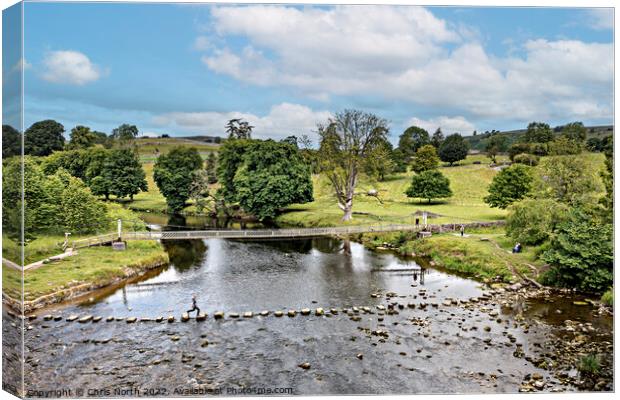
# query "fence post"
(119, 227)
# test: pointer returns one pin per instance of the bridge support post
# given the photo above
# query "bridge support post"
(119, 225)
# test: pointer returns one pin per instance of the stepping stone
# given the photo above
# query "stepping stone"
(72, 318)
(278, 313)
(57, 317)
(109, 319)
(218, 315)
(304, 365)
(319, 311)
(264, 313)
(97, 318)
(333, 311)
(305, 311)
(201, 317)
(159, 319)
(47, 317)
(233, 315)
(185, 317)
(248, 314)
(145, 319)
(131, 320)
(170, 318)
(291, 313)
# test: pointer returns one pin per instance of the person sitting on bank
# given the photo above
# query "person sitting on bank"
(517, 248)
(194, 306)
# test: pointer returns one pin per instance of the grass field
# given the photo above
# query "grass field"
(149, 147)
(96, 265)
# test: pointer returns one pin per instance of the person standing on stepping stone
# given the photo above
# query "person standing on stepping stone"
(194, 306)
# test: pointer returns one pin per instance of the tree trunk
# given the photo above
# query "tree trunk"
(347, 208)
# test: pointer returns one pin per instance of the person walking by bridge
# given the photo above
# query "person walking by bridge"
(194, 306)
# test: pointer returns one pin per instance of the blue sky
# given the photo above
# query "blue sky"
(186, 69)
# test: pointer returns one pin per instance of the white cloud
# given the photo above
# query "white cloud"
(202, 43)
(448, 125)
(70, 67)
(601, 18)
(282, 120)
(407, 54)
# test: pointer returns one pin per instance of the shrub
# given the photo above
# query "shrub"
(608, 297)
(532, 221)
(527, 159)
(589, 364)
(518, 148)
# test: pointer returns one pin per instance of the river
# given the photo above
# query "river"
(450, 346)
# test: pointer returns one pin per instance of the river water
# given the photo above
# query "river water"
(441, 348)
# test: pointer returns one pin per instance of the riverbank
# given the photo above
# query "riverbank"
(483, 254)
(92, 268)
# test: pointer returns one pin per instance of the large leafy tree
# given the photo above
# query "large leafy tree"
(429, 185)
(568, 179)
(509, 185)
(271, 176)
(581, 252)
(347, 142)
(575, 131)
(211, 168)
(538, 132)
(411, 140)
(125, 133)
(533, 221)
(123, 171)
(174, 173)
(11, 142)
(380, 161)
(454, 148)
(44, 137)
(82, 212)
(81, 138)
(437, 138)
(237, 128)
(496, 144)
(425, 159)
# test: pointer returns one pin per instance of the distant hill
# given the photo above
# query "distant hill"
(205, 139)
(476, 142)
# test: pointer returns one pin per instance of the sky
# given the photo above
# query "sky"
(186, 69)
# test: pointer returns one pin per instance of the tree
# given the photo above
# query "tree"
(102, 139)
(347, 140)
(199, 189)
(429, 185)
(125, 133)
(438, 138)
(211, 168)
(239, 129)
(43, 137)
(575, 131)
(538, 132)
(519, 148)
(494, 145)
(174, 173)
(581, 253)
(81, 138)
(11, 142)
(453, 149)
(607, 175)
(398, 158)
(124, 174)
(509, 186)
(567, 179)
(533, 221)
(411, 140)
(425, 159)
(271, 176)
(379, 160)
(82, 212)
(562, 146)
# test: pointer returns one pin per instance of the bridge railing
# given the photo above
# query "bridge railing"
(93, 241)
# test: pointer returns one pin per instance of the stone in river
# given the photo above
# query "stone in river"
(97, 318)
(175, 338)
(233, 315)
(291, 313)
(278, 313)
(130, 320)
(319, 311)
(57, 317)
(85, 319)
(47, 317)
(304, 365)
(185, 317)
(109, 319)
(201, 317)
(248, 314)
(333, 311)
(218, 315)
(159, 319)
(72, 318)
(170, 318)
(360, 356)
(305, 311)
(264, 313)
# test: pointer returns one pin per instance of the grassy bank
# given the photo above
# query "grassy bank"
(484, 255)
(96, 266)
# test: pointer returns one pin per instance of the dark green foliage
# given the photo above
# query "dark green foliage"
(44, 137)
(81, 211)
(398, 158)
(438, 138)
(599, 144)
(81, 138)
(581, 252)
(84, 163)
(273, 175)
(125, 133)
(527, 159)
(607, 175)
(509, 185)
(211, 168)
(567, 179)
(425, 159)
(562, 146)
(174, 172)
(239, 129)
(231, 156)
(519, 148)
(575, 132)
(538, 132)
(411, 140)
(453, 149)
(102, 139)
(589, 365)
(123, 174)
(379, 162)
(11, 142)
(429, 185)
(533, 221)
